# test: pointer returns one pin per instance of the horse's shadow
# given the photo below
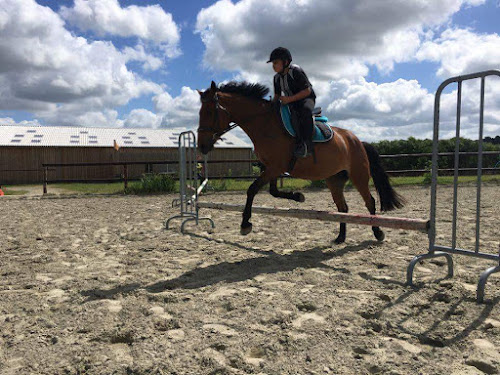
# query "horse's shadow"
(269, 262)
(232, 272)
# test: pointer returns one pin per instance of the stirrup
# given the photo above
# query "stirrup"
(301, 150)
(309, 147)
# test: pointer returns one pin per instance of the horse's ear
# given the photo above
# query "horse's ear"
(200, 92)
(213, 87)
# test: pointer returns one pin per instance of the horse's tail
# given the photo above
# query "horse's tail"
(389, 199)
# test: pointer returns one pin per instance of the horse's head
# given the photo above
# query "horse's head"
(214, 119)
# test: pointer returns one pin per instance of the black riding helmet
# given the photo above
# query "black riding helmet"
(280, 53)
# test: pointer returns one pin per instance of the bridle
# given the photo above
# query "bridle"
(218, 107)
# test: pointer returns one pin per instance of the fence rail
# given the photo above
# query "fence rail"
(51, 167)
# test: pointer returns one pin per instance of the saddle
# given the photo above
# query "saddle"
(322, 131)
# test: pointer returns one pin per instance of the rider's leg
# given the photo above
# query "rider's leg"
(300, 147)
(306, 121)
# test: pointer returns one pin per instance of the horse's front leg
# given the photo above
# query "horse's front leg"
(273, 189)
(246, 225)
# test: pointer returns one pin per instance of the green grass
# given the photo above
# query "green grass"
(153, 184)
(94, 188)
(242, 185)
(8, 191)
(288, 183)
(443, 180)
(150, 184)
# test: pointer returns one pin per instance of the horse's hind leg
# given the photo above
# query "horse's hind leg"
(336, 185)
(360, 179)
(273, 189)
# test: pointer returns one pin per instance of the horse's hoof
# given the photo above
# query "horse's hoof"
(379, 235)
(339, 240)
(246, 229)
(299, 197)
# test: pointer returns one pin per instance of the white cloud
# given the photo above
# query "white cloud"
(391, 110)
(180, 111)
(68, 80)
(460, 51)
(395, 103)
(338, 43)
(402, 108)
(150, 62)
(142, 118)
(79, 115)
(332, 40)
(107, 17)
(11, 122)
(62, 78)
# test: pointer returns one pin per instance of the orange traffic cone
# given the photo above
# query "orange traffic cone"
(1, 192)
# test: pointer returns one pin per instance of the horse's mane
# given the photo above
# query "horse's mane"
(250, 90)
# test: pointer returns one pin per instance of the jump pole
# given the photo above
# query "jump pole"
(340, 217)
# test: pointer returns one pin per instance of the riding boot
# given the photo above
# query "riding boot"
(300, 150)
(307, 134)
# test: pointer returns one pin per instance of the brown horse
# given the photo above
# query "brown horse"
(344, 157)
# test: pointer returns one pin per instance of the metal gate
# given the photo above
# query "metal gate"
(438, 250)
(189, 187)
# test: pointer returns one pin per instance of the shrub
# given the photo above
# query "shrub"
(319, 184)
(428, 174)
(153, 183)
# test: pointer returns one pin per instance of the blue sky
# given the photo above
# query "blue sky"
(362, 65)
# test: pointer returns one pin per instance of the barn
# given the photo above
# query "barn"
(23, 150)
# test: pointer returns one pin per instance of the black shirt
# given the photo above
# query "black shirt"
(292, 83)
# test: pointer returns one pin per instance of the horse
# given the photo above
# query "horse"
(342, 158)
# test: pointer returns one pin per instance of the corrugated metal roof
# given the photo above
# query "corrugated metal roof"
(60, 136)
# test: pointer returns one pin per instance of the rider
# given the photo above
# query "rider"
(292, 87)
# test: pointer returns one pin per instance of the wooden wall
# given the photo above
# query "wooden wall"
(25, 163)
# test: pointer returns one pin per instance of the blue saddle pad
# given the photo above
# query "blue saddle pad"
(322, 131)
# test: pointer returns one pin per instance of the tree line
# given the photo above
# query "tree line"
(417, 146)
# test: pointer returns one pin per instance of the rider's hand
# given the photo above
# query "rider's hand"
(285, 99)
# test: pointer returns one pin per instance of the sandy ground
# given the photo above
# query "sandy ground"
(35, 190)
(97, 286)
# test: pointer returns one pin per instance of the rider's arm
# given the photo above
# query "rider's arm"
(302, 83)
(277, 88)
(300, 95)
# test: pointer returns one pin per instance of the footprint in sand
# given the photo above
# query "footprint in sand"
(297, 323)
(57, 295)
(222, 292)
(113, 305)
(43, 278)
(122, 354)
(212, 357)
(491, 323)
(157, 310)
(220, 329)
(401, 344)
(255, 356)
(176, 334)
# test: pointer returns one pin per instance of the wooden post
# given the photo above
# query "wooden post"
(45, 178)
(125, 175)
(281, 182)
(372, 220)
